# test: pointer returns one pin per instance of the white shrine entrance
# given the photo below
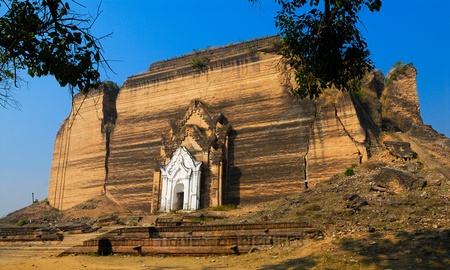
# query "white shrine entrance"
(192, 169)
(181, 182)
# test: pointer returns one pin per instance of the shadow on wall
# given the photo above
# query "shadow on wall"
(232, 185)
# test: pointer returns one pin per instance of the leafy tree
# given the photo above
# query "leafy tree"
(46, 37)
(324, 45)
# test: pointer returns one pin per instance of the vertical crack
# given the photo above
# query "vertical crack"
(311, 128)
(108, 151)
(355, 142)
(110, 93)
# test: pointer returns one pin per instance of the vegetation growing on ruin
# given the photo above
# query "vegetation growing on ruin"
(398, 69)
(199, 63)
(251, 51)
(22, 222)
(226, 207)
(359, 95)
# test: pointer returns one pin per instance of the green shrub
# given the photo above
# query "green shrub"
(399, 69)
(358, 95)
(398, 64)
(251, 51)
(199, 63)
(350, 171)
(22, 222)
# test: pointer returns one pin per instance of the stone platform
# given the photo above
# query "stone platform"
(187, 239)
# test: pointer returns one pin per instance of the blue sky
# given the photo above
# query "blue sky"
(147, 31)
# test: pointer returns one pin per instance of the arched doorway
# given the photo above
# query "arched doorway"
(199, 138)
(180, 182)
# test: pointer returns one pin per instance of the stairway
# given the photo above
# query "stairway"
(187, 238)
(196, 239)
(10, 250)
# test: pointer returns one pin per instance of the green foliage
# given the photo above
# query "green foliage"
(358, 95)
(48, 38)
(399, 68)
(350, 171)
(199, 63)
(226, 207)
(324, 45)
(22, 222)
(251, 51)
(398, 64)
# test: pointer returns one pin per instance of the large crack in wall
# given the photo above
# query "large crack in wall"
(110, 93)
(311, 134)
(336, 138)
(355, 142)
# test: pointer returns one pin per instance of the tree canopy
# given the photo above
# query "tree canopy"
(323, 44)
(46, 37)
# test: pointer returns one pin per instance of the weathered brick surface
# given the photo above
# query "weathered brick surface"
(337, 140)
(78, 164)
(400, 99)
(256, 105)
(271, 131)
(207, 239)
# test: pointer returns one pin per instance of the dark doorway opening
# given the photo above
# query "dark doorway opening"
(180, 199)
(104, 247)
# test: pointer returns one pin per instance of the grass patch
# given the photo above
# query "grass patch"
(226, 207)
(201, 219)
(313, 207)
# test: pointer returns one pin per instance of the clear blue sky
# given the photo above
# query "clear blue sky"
(148, 31)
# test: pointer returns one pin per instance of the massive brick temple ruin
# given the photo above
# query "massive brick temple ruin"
(215, 127)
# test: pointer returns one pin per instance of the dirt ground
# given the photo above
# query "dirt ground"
(368, 251)
(290, 256)
(294, 255)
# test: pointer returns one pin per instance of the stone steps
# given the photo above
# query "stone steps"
(18, 251)
(186, 239)
(30, 249)
(194, 240)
